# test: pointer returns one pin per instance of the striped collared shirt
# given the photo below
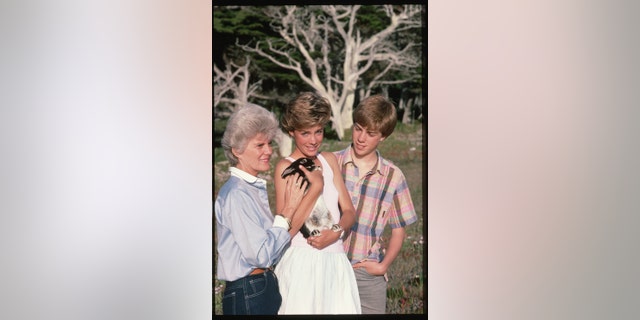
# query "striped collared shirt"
(381, 197)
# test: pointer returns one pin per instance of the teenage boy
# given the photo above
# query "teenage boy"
(380, 195)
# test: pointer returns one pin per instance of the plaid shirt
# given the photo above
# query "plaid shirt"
(382, 197)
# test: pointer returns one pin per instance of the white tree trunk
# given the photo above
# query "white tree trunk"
(284, 142)
(338, 125)
(407, 117)
(346, 115)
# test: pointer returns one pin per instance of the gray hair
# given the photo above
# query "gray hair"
(244, 124)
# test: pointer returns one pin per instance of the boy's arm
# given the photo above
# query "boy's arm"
(393, 249)
(395, 244)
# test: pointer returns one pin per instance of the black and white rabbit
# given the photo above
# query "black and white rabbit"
(320, 217)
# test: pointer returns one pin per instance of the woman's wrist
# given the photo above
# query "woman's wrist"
(286, 220)
(287, 212)
(338, 229)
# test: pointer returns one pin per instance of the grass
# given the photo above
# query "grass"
(405, 293)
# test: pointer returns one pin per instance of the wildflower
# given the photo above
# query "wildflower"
(218, 289)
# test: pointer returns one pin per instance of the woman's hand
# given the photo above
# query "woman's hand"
(315, 177)
(295, 188)
(326, 238)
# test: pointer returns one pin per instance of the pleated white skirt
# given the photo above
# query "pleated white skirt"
(312, 281)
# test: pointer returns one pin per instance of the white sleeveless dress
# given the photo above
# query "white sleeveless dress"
(313, 281)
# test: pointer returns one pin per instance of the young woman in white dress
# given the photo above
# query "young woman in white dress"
(314, 274)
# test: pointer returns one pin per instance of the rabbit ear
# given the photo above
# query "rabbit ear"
(292, 168)
(289, 170)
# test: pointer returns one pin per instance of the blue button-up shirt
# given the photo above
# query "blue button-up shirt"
(248, 236)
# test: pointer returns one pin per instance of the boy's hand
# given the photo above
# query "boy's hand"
(374, 268)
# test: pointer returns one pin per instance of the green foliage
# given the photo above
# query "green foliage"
(240, 21)
(371, 20)
(218, 131)
(250, 25)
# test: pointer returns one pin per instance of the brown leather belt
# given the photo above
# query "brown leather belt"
(259, 271)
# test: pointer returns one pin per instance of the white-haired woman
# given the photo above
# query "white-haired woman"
(251, 239)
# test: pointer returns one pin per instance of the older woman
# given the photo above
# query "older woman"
(250, 239)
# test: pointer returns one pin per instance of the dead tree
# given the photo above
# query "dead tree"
(309, 35)
(232, 89)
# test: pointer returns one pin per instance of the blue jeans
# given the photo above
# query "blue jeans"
(257, 294)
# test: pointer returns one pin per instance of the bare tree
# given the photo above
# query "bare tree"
(232, 89)
(308, 45)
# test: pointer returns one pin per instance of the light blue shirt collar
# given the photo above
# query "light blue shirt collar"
(246, 176)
